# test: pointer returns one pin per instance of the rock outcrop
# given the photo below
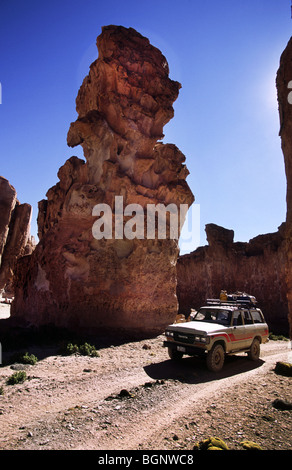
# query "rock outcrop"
(256, 267)
(15, 240)
(77, 278)
(284, 87)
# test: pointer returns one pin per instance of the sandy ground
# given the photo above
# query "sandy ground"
(132, 397)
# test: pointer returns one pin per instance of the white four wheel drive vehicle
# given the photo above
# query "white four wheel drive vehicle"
(219, 328)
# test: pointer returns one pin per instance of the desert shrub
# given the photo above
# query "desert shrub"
(16, 378)
(85, 349)
(23, 358)
(212, 443)
(274, 337)
(71, 349)
(249, 445)
(28, 359)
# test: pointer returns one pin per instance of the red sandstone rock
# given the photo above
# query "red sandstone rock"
(72, 279)
(8, 200)
(284, 81)
(256, 267)
(14, 233)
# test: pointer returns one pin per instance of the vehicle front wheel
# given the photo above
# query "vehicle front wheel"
(254, 352)
(174, 354)
(215, 358)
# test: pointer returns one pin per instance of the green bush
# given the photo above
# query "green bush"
(85, 349)
(71, 349)
(274, 337)
(24, 358)
(16, 378)
(28, 359)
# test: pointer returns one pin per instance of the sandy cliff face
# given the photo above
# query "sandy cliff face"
(284, 88)
(14, 234)
(73, 279)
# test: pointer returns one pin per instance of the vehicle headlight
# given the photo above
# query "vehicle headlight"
(202, 339)
(169, 333)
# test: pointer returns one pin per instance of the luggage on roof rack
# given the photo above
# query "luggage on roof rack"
(242, 296)
(239, 298)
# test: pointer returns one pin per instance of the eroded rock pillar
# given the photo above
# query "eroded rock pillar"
(73, 278)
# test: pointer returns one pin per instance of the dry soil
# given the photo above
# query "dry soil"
(133, 397)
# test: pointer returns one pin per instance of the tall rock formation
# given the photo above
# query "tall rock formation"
(284, 88)
(14, 234)
(76, 278)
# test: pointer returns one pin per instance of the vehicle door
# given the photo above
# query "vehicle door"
(259, 325)
(249, 328)
(238, 333)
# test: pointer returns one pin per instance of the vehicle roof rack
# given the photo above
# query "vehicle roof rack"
(248, 303)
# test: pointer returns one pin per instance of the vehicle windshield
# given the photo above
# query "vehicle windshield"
(212, 315)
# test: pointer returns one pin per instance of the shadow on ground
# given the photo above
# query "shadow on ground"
(193, 370)
(48, 340)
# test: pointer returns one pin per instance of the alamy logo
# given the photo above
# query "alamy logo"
(156, 222)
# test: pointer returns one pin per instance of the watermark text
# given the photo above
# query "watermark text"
(155, 221)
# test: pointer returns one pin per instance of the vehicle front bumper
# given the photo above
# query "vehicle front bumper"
(189, 349)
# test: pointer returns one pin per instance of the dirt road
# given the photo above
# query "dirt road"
(133, 397)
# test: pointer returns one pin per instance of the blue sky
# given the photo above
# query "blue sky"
(224, 53)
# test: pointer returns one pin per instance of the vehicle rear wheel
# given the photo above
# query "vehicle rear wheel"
(174, 354)
(215, 358)
(254, 352)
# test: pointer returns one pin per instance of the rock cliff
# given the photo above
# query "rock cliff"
(94, 266)
(284, 87)
(256, 267)
(15, 238)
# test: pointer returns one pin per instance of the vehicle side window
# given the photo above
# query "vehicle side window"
(247, 318)
(237, 319)
(257, 318)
